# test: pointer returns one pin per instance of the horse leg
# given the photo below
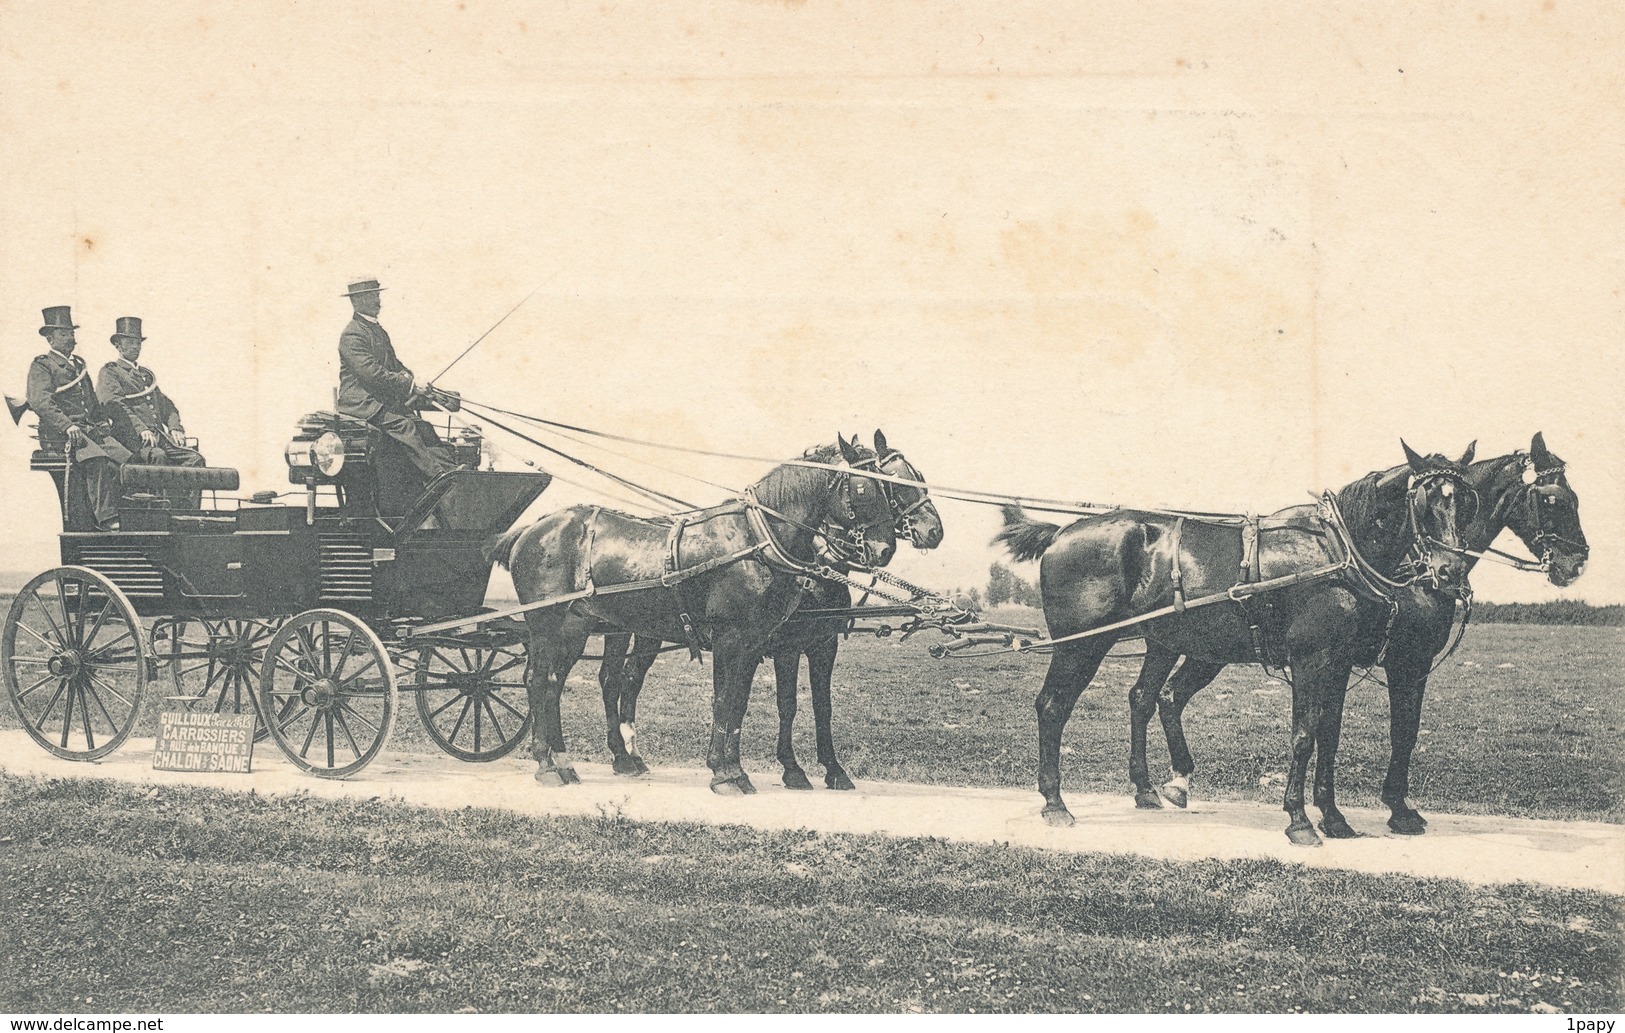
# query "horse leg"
(786, 665)
(551, 660)
(1070, 670)
(1142, 700)
(1319, 647)
(1332, 822)
(644, 653)
(1192, 677)
(1406, 684)
(733, 666)
(612, 682)
(820, 670)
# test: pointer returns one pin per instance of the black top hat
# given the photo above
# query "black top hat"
(127, 326)
(362, 286)
(57, 317)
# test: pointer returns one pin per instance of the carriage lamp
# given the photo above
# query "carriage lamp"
(323, 456)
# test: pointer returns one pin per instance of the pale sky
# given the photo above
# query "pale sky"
(1205, 255)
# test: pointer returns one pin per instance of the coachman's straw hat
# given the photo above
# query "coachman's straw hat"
(363, 287)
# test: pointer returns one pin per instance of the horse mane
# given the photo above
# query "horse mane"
(786, 486)
(1368, 500)
(1362, 504)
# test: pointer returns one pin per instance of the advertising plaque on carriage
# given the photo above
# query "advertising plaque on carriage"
(204, 741)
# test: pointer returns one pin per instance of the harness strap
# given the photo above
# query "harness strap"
(1175, 574)
(674, 565)
(1251, 571)
(585, 579)
(756, 514)
(1251, 559)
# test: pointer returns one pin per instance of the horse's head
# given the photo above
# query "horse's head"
(858, 525)
(915, 515)
(1547, 516)
(1439, 506)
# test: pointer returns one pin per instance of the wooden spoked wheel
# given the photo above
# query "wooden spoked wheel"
(72, 662)
(471, 694)
(214, 663)
(327, 692)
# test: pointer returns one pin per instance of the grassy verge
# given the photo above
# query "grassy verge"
(126, 899)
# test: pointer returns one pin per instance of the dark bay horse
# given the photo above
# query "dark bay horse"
(1526, 492)
(622, 672)
(1105, 569)
(728, 574)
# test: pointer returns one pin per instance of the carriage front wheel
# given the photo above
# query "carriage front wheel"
(327, 692)
(72, 662)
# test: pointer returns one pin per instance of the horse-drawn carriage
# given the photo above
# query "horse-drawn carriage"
(312, 615)
(315, 615)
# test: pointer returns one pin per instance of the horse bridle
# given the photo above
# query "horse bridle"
(1541, 542)
(1415, 563)
(846, 541)
(903, 516)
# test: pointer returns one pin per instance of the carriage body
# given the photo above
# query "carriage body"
(226, 594)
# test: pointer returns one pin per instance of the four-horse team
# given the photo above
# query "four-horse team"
(385, 564)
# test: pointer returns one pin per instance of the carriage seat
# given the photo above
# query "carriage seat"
(48, 460)
(184, 478)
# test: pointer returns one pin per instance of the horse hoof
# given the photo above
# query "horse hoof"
(737, 786)
(1302, 835)
(555, 777)
(1059, 817)
(1408, 825)
(838, 780)
(1146, 800)
(630, 766)
(1174, 795)
(1338, 829)
(797, 779)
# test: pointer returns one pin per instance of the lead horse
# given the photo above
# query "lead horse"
(622, 672)
(727, 576)
(1525, 492)
(1102, 570)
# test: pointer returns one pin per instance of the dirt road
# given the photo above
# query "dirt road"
(1583, 855)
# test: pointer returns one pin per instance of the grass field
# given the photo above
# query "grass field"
(124, 899)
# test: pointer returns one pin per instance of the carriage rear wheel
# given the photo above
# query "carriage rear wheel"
(471, 694)
(327, 692)
(72, 662)
(214, 663)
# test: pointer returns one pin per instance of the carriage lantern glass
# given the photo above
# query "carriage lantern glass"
(323, 456)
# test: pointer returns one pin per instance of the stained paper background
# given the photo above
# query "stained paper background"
(1192, 254)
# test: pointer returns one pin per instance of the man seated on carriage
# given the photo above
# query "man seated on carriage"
(376, 387)
(72, 419)
(145, 421)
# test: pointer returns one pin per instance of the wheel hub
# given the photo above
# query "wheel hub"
(466, 683)
(323, 693)
(66, 663)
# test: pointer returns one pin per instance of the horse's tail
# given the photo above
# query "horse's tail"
(500, 549)
(1026, 539)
